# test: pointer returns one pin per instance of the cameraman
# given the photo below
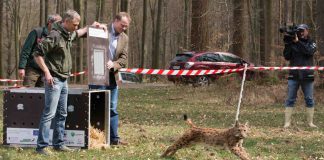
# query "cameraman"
(300, 52)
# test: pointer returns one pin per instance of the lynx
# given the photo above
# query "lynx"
(231, 138)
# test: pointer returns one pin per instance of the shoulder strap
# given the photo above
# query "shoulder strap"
(39, 32)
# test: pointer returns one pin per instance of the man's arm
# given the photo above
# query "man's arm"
(26, 52)
(121, 61)
(287, 52)
(308, 48)
(81, 32)
(41, 63)
(43, 48)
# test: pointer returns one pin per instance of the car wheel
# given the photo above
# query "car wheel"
(201, 81)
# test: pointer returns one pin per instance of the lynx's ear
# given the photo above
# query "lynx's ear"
(246, 124)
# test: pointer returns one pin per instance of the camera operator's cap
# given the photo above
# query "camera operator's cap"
(302, 27)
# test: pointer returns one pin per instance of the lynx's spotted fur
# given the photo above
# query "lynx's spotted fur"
(231, 138)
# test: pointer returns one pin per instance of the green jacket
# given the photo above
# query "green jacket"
(26, 55)
(56, 50)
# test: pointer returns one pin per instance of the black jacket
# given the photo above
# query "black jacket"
(300, 54)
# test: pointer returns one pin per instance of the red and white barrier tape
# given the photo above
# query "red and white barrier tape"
(193, 72)
(179, 72)
(289, 68)
(16, 80)
(10, 80)
(78, 73)
(208, 72)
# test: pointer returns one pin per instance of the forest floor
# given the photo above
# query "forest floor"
(151, 120)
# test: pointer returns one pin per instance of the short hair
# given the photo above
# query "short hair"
(70, 15)
(120, 15)
(53, 18)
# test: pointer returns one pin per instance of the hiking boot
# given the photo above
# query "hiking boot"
(119, 142)
(63, 149)
(288, 113)
(310, 117)
(44, 151)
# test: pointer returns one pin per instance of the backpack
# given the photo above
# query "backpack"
(39, 33)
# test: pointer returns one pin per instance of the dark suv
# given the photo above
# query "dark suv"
(204, 61)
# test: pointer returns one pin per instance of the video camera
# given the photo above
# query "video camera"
(290, 31)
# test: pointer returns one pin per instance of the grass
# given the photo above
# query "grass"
(151, 119)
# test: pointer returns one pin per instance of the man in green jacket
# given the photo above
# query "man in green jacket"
(28, 69)
(53, 56)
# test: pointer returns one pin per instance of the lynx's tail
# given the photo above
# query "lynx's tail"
(188, 120)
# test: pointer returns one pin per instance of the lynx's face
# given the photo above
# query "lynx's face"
(241, 130)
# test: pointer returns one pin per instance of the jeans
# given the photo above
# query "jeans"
(307, 88)
(55, 109)
(113, 110)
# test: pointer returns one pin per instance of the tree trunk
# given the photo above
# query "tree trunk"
(320, 31)
(185, 25)
(1, 45)
(199, 31)
(293, 10)
(99, 10)
(124, 6)
(287, 11)
(84, 58)
(79, 52)
(41, 13)
(262, 35)
(9, 42)
(144, 45)
(46, 11)
(17, 33)
(156, 47)
(116, 7)
(81, 44)
(239, 27)
(61, 6)
(268, 33)
(164, 35)
(58, 7)
(255, 53)
(152, 11)
(105, 15)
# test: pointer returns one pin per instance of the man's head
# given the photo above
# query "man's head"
(302, 30)
(53, 18)
(71, 20)
(121, 22)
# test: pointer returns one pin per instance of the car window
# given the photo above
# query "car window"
(209, 58)
(123, 75)
(129, 77)
(231, 59)
(182, 57)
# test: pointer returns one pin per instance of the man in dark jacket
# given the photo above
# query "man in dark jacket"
(53, 56)
(28, 69)
(300, 52)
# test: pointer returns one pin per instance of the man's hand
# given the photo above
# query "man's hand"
(110, 64)
(98, 25)
(295, 40)
(49, 79)
(21, 73)
(82, 31)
